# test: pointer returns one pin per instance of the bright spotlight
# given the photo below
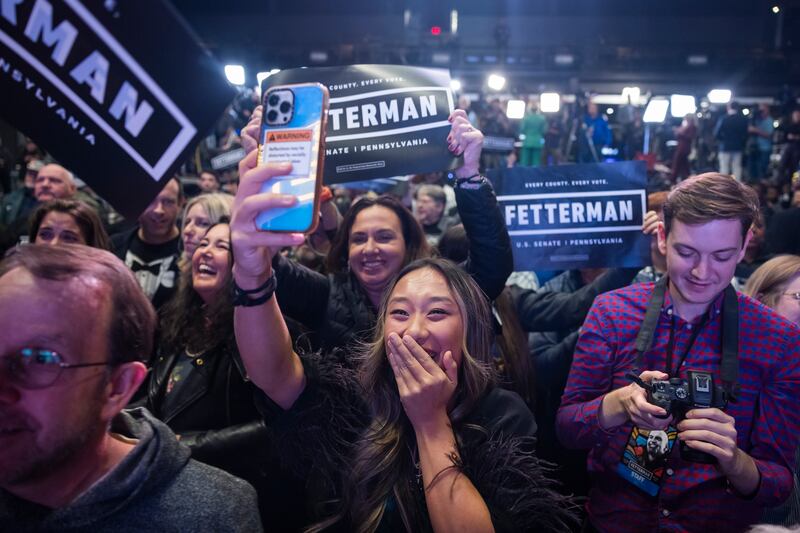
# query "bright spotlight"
(515, 109)
(681, 105)
(549, 102)
(455, 85)
(631, 94)
(496, 82)
(745, 111)
(261, 76)
(610, 111)
(656, 110)
(235, 74)
(719, 96)
(776, 9)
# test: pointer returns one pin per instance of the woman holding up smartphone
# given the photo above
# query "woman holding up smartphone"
(379, 237)
(419, 439)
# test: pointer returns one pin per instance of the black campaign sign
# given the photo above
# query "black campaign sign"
(384, 120)
(575, 216)
(118, 93)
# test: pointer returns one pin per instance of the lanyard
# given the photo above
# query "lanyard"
(729, 369)
(671, 344)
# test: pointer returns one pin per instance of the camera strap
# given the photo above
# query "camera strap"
(729, 370)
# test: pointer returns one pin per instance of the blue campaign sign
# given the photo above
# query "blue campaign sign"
(575, 216)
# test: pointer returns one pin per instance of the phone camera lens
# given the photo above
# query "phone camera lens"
(272, 116)
(285, 107)
(273, 100)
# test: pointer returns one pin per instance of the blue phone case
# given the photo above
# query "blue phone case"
(297, 141)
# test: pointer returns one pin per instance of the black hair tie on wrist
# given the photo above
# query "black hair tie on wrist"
(243, 297)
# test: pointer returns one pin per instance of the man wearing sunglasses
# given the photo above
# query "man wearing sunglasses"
(76, 327)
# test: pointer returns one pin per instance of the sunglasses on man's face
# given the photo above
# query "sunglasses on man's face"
(37, 368)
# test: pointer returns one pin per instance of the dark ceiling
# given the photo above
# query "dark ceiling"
(600, 45)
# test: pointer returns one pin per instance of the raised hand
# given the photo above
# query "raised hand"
(464, 139)
(253, 249)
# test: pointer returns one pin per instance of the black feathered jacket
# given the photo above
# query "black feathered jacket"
(316, 438)
(338, 310)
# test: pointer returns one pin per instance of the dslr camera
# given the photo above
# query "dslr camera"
(678, 396)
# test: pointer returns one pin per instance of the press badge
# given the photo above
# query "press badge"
(644, 458)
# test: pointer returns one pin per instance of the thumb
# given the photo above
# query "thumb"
(450, 367)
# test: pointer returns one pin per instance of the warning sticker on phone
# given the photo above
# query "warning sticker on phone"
(294, 146)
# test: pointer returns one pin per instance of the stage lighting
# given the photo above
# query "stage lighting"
(549, 102)
(454, 21)
(235, 74)
(682, 104)
(515, 109)
(719, 96)
(610, 111)
(496, 82)
(441, 58)
(631, 94)
(656, 110)
(697, 60)
(261, 76)
(564, 60)
(436, 30)
(455, 85)
(745, 111)
(776, 9)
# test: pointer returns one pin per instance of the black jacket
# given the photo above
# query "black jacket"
(316, 437)
(337, 309)
(214, 413)
(216, 418)
(560, 311)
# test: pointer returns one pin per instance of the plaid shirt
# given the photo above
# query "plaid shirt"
(693, 497)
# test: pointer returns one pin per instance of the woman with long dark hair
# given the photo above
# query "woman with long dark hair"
(377, 237)
(197, 385)
(419, 438)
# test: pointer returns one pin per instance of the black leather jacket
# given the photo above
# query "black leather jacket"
(214, 413)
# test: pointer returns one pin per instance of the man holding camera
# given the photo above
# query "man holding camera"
(747, 444)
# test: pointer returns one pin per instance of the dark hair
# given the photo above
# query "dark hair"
(382, 466)
(133, 319)
(188, 323)
(212, 172)
(85, 217)
(414, 237)
(711, 196)
(454, 244)
(515, 370)
(180, 188)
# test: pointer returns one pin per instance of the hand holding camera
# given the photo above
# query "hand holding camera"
(705, 431)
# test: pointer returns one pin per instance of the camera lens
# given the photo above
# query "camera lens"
(285, 107)
(272, 116)
(273, 100)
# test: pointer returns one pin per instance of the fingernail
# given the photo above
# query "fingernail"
(288, 199)
(394, 339)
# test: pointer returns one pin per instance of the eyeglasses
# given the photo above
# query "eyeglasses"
(37, 368)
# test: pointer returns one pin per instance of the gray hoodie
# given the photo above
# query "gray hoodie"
(155, 488)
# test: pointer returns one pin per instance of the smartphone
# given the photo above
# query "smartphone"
(293, 130)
